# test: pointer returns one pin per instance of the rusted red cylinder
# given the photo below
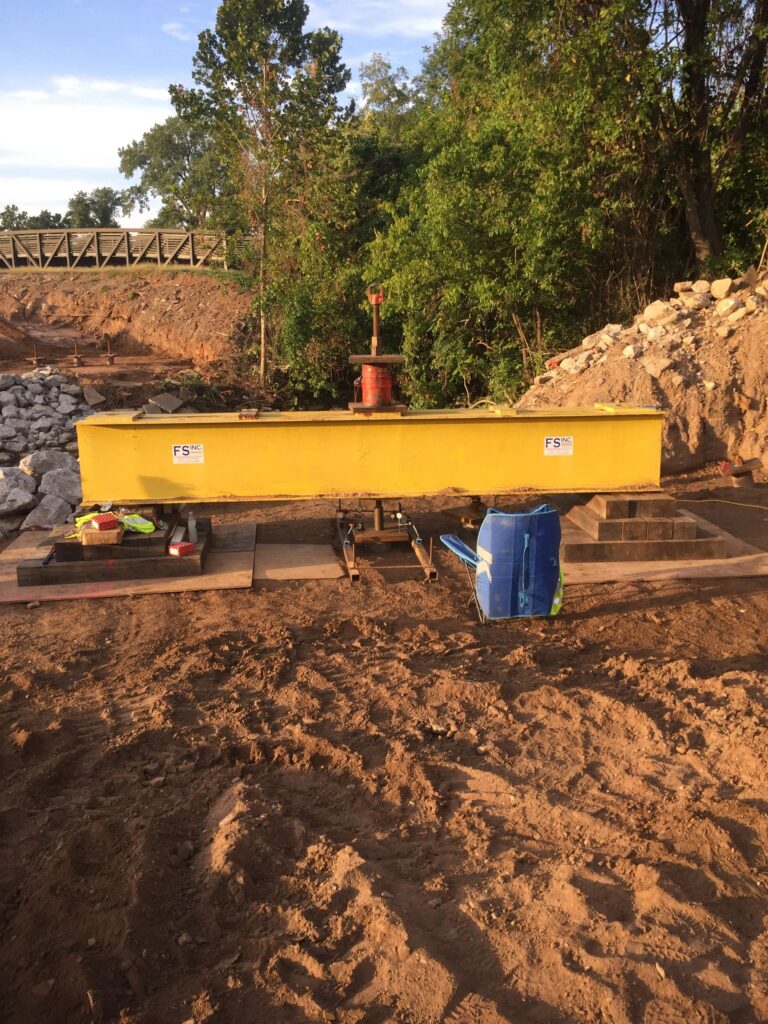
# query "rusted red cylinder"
(376, 385)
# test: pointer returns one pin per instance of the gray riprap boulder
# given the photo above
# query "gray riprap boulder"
(8, 380)
(50, 512)
(166, 402)
(17, 500)
(39, 463)
(66, 405)
(6, 433)
(92, 396)
(17, 445)
(46, 423)
(71, 389)
(8, 398)
(64, 484)
(11, 477)
(20, 426)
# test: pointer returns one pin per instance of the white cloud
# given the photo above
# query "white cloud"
(176, 30)
(74, 86)
(30, 95)
(379, 19)
(64, 138)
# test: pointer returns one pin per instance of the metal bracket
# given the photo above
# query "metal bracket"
(353, 532)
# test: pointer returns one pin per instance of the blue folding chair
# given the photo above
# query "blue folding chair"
(516, 563)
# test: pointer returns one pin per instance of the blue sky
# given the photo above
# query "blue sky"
(78, 78)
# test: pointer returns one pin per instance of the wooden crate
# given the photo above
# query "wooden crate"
(100, 538)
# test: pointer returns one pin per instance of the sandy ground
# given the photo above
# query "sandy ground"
(315, 802)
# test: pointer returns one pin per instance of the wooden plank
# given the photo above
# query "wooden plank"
(742, 560)
(224, 570)
(177, 250)
(207, 255)
(122, 237)
(56, 249)
(31, 572)
(578, 547)
(133, 545)
(30, 256)
(734, 545)
(296, 562)
(140, 256)
(84, 249)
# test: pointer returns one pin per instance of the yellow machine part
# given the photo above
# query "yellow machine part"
(132, 458)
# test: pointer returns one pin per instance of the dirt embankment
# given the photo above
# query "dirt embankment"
(183, 313)
(700, 356)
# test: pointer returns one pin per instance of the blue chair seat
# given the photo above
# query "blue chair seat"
(516, 562)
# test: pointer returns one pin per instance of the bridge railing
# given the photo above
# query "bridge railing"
(110, 247)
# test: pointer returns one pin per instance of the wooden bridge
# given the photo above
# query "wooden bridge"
(110, 247)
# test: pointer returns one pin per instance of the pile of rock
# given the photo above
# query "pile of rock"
(699, 355)
(170, 402)
(38, 410)
(44, 490)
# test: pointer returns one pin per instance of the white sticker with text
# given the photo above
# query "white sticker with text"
(184, 454)
(558, 445)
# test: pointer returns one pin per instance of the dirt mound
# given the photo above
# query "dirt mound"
(701, 358)
(191, 314)
(303, 805)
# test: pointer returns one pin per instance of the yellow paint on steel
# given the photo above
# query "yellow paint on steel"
(130, 458)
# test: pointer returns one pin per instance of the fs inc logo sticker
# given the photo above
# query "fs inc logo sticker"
(186, 454)
(558, 445)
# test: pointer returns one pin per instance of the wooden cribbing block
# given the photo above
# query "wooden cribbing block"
(32, 573)
(643, 550)
(610, 506)
(643, 505)
(676, 527)
(651, 506)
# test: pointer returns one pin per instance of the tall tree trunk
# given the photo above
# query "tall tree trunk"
(698, 192)
(263, 287)
(694, 162)
(263, 253)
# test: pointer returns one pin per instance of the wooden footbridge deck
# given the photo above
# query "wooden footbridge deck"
(110, 247)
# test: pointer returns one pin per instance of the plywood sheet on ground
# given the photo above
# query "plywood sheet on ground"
(296, 562)
(743, 560)
(229, 567)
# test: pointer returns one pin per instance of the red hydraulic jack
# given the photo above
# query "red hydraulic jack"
(375, 380)
(375, 383)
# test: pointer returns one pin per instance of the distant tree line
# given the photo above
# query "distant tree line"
(96, 209)
(554, 164)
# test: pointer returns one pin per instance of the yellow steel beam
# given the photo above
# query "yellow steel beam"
(131, 458)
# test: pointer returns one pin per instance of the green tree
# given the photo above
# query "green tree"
(701, 68)
(45, 220)
(13, 219)
(267, 90)
(179, 162)
(99, 208)
(577, 156)
(386, 90)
